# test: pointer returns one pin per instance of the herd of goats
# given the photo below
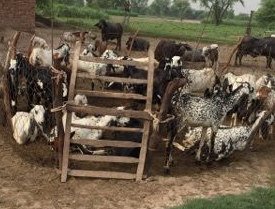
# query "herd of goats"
(198, 120)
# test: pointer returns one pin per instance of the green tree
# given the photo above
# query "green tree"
(266, 13)
(180, 8)
(139, 6)
(219, 8)
(106, 4)
(160, 7)
(42, 3)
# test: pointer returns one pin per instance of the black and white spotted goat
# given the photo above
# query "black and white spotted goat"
(227, 141)
(199, 111)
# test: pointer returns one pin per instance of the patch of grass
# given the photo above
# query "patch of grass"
(257, 199)
(223, 34)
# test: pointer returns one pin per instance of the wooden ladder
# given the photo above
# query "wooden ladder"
(144, 115)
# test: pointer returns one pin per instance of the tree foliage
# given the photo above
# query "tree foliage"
(266, 13)
(219, 8)
(160, 7)
(106, 4)
(139, 6)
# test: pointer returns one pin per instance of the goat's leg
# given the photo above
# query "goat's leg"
(212, 145)
(202, 142)
(92, 85)
(270, 132)
(268, 62)
(236, 58)
(168, 155)
(234, 120)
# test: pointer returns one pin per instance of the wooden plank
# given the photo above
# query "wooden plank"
(112, 79)
(108, 128)
(97, 158)
(66, 148)
(147, 124)
(112, 61)
(93, 110)
(65, 160)
(101, 174)
(143, 150)
(106, 143)
(114, 95)
(150, 79)
(74, 70)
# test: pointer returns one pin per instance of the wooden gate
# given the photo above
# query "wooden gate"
(144, 115)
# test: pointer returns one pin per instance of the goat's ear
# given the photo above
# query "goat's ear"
(55, 56)
(230, 88)
(226, 85)
(97, 25)
(72, 134)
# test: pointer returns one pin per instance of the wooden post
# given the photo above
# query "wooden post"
(58, 118)
(133, 39)
(248, 29)
(10, 55)
(66, 147)
(147, 123)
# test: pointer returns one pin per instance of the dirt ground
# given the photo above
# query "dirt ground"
(28, 179)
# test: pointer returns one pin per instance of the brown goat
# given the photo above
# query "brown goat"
(100, 47)
(263, 92)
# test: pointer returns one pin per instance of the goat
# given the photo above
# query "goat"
(110, 31)
(227, 140)
(139, 44)
(26, 124)
(211, 54)
(198, 111)
(89, 51)
(169, 49)
(198, 80)
(43, 57)
(100, 47)
(76, 36)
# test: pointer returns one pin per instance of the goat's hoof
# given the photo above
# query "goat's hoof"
(167, 170)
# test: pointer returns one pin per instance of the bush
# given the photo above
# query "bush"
(61, 10)
(119, 13)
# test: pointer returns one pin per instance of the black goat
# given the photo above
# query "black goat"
(169, 49)
(111, 31)
(139, 44)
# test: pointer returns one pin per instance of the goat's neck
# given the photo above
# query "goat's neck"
(232, 100)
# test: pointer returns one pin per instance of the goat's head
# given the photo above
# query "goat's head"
(177, 61)
(109, 54)
(63, 53)
(38, 112)
(263, 92)
(101, 24)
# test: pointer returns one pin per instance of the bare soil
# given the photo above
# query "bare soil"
(28, 178)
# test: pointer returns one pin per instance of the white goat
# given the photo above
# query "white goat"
(43, 57)
(76, 36)
(25, 125)
(198, 80)
(89, 51)
(236, 81)
(211, 54)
